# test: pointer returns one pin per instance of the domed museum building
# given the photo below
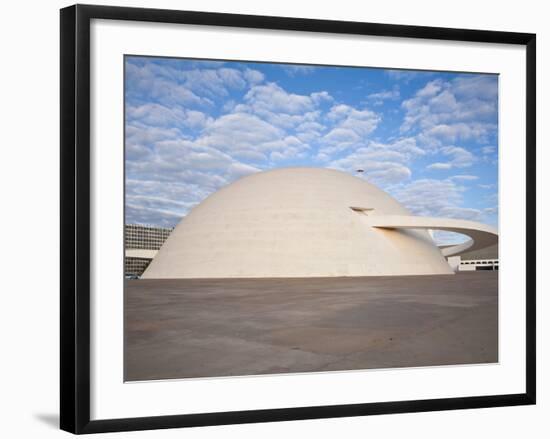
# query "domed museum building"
(307, 222)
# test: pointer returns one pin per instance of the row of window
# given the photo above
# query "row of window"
(145, 237)
(135, 265)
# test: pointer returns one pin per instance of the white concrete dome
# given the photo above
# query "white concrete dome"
(296, 222)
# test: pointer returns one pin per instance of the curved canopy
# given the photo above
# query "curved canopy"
(481, 235)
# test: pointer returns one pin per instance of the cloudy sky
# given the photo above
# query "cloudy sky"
(428, 138)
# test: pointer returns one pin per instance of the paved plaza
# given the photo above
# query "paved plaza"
(230, 327)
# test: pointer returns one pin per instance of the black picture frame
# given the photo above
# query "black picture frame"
(75, 217)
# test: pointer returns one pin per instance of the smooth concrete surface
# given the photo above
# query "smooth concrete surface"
(306, 222)
(481, 235)
(227, 327)
(294, 222)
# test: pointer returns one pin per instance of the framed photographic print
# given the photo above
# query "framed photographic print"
(268, 218)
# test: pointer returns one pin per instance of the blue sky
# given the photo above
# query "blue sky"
(430, 139)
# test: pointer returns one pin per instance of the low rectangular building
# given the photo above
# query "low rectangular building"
(141, 244)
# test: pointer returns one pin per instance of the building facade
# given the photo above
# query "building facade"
(141, 246)
(484, 259)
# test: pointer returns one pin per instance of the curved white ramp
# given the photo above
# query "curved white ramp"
(481, 235)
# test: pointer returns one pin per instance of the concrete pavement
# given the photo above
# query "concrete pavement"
(226, 327)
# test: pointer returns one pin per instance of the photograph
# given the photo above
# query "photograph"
(270, 217)
(294, 218)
